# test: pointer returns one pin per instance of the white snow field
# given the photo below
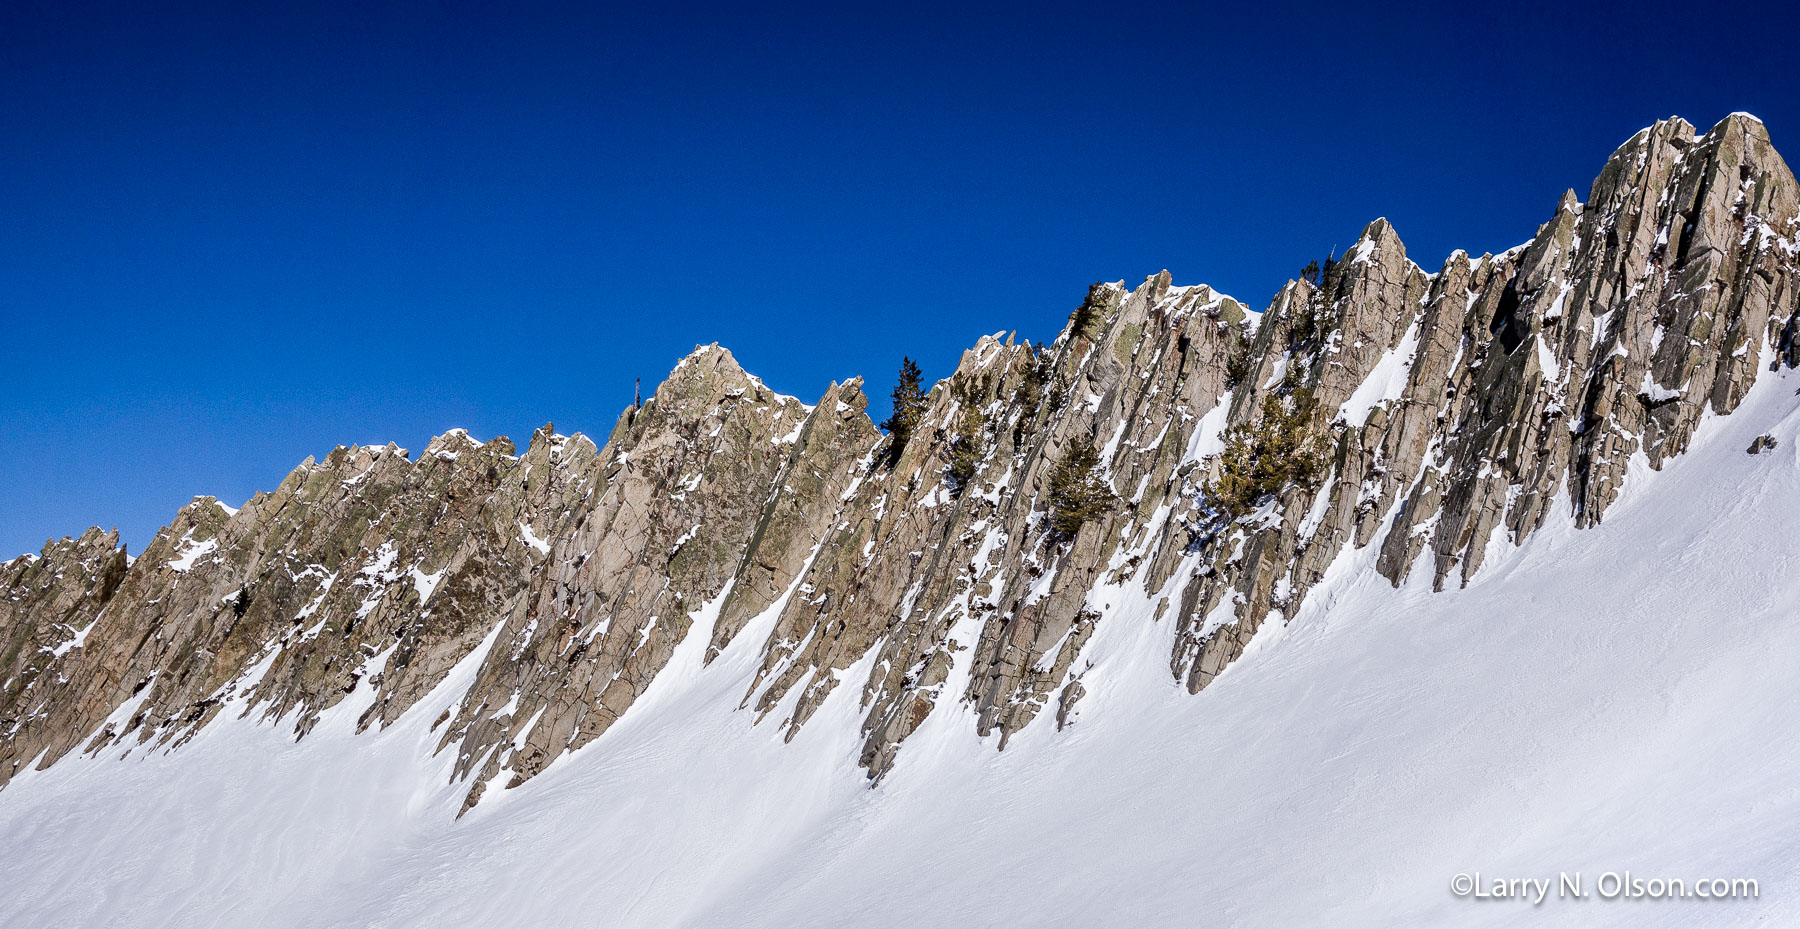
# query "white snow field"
(1623, 698)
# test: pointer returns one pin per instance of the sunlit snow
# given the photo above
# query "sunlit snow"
(1620, 697)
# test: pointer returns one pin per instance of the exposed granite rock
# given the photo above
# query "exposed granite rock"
(48, 604)
(1461, 408)
(656, 525)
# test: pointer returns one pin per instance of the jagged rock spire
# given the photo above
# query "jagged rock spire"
(1461, 409)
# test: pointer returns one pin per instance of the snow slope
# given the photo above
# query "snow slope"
(1618, 698)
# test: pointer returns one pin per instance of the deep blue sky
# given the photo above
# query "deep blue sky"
(231, 239)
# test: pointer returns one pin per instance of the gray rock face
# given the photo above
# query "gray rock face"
(1460, 409)
(48, 604)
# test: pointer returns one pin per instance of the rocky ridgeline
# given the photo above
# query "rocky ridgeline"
(1456, 411)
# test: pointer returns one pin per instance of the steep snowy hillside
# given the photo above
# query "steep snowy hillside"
(1610, 699)
(1194, 615)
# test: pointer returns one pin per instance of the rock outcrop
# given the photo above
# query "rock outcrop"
(1454, 411)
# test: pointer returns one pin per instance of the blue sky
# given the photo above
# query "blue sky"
(231, 238)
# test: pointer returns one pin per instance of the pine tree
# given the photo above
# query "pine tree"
(1082, 319)
(1029, 395)
(1318, 274)
(1088, 312)
(1237, 362)
(1077, 494)
(966, 446)
(908, 407)
(1264, 457)
(1314, 322)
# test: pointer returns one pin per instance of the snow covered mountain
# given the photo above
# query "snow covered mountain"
(1502, 592)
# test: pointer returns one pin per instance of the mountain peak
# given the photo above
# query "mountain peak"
(1384, 422)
